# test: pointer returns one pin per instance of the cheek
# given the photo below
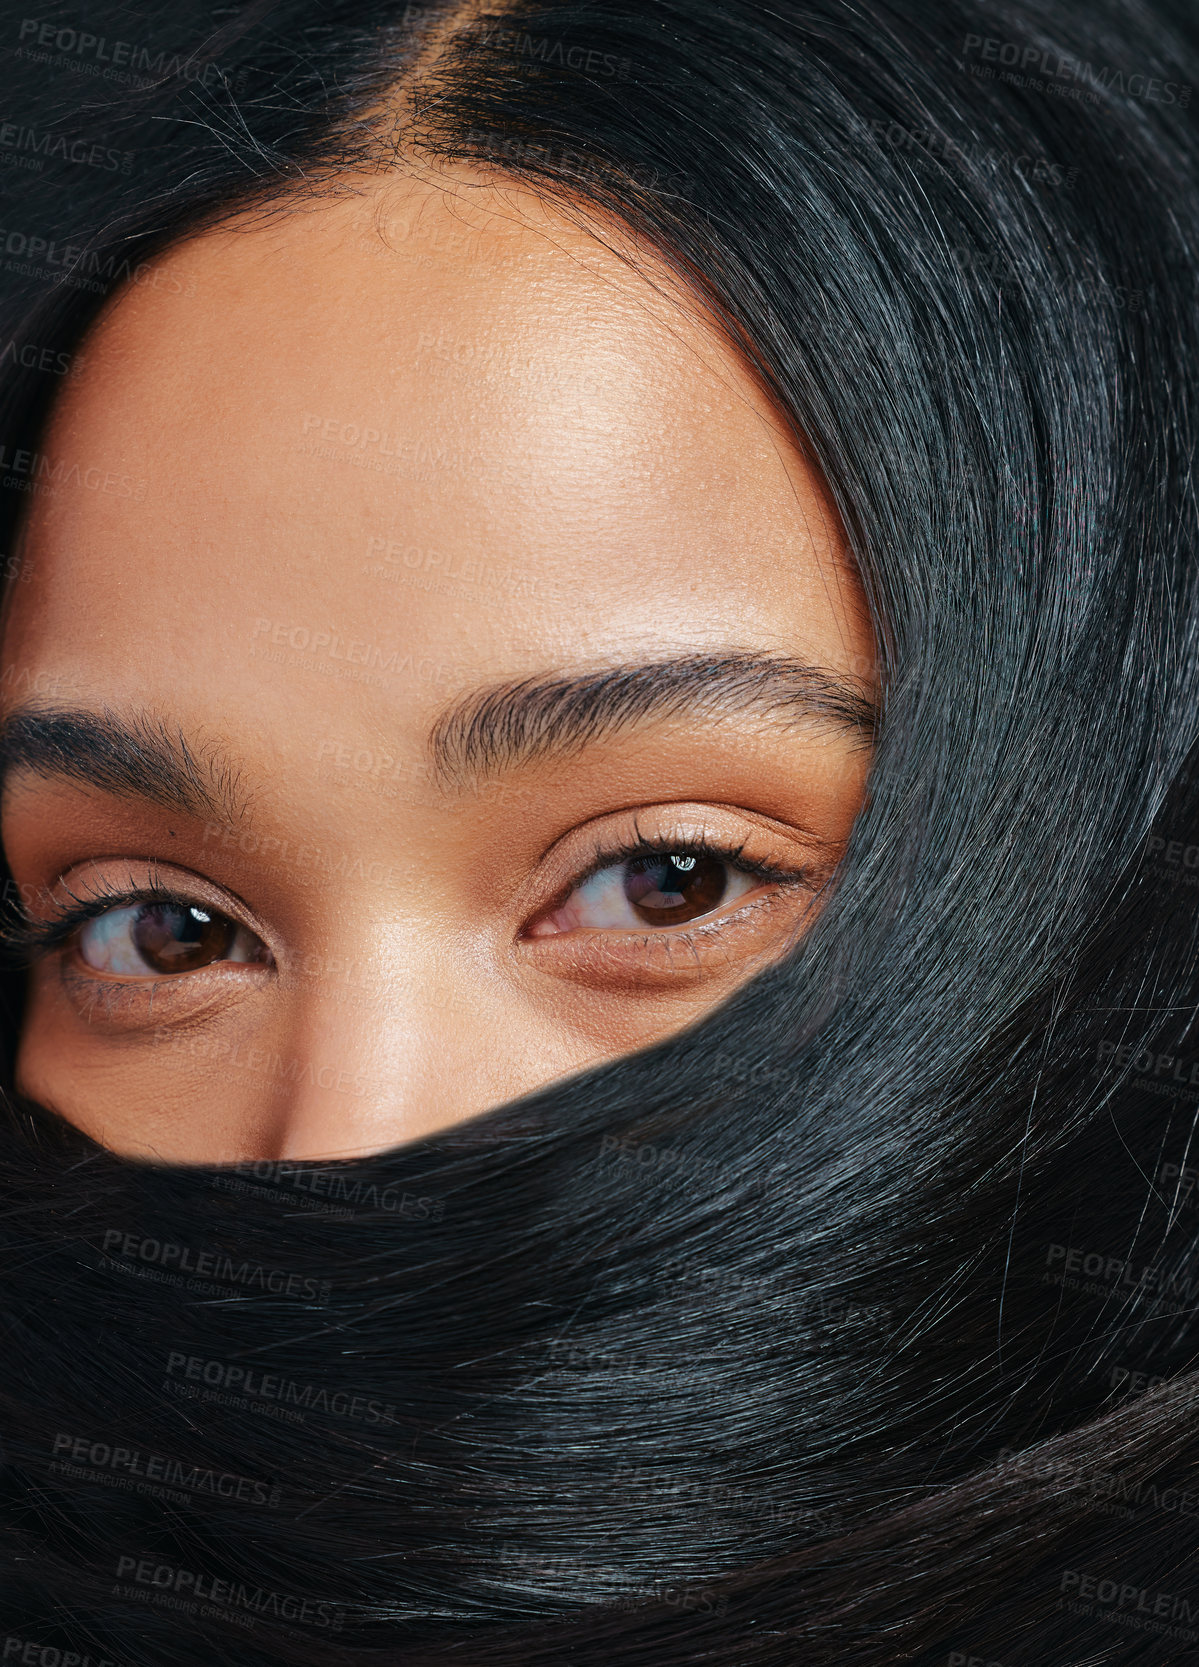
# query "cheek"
(212, 1092)
(153, 1093)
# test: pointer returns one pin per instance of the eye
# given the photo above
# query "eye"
(664, 888)
(149, 939)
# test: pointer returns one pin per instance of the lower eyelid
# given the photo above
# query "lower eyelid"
(90, 991)
(147, 1016)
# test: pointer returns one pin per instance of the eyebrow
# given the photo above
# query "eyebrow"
(494, 730)
(490, 730)
(140, 757)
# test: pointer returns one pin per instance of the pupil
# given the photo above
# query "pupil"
(665, 890)
(179, 939)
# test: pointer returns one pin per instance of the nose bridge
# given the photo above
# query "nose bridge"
(378, 1053)
(347, 1023)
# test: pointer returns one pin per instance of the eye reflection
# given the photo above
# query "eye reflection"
(145, 939)
(661, 889)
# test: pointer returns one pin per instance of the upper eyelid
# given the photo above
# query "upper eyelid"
(207, 892)
(618, 849)
(695, 817)
(29, 937)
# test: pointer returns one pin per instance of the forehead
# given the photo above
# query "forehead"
(434, 419)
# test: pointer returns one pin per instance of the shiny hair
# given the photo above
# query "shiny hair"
(853, 1325)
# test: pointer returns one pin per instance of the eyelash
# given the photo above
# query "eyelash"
(24, 940)
(698, 845)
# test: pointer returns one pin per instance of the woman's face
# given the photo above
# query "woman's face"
(406, 567)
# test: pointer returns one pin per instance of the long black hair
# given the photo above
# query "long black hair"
(856, 1324)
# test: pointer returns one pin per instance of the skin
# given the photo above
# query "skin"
(575, 473)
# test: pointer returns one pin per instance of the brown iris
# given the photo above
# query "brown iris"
(174, 937)
(666, 890)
